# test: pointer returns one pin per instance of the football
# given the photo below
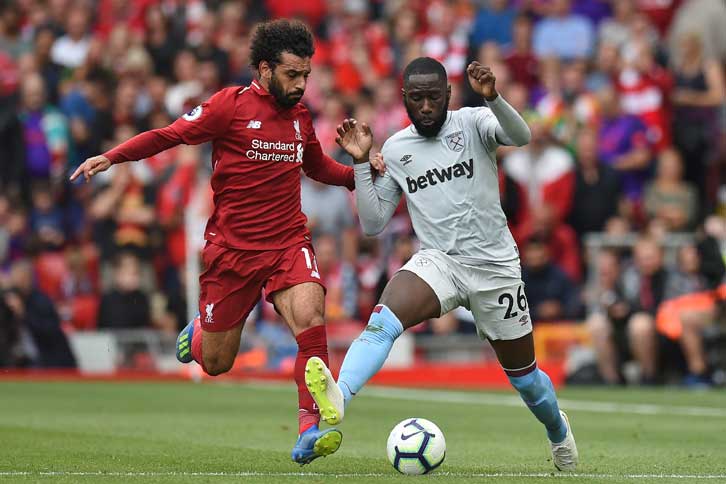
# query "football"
(416, 446)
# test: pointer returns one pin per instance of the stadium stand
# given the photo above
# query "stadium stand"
(627, 107)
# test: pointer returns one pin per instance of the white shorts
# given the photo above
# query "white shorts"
(494, 293)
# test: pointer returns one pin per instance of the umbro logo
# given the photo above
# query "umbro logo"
(254, 124)
(406, 159)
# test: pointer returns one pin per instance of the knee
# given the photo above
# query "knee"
(309, 321)
(641, 326)
(599, 327)
(217, 364)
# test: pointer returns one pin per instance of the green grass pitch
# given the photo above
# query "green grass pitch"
(214, 433)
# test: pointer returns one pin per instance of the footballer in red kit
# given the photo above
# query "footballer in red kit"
(256, 236)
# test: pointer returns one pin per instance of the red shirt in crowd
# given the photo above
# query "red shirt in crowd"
(258, 149)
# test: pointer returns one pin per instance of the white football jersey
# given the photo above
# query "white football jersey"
(452, 187)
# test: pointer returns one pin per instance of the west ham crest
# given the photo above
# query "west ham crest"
(455, 141)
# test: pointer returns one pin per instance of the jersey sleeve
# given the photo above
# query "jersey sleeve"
(209, 120)
(485, 124)
(321, 167)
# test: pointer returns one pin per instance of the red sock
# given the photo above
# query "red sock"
(311, 342)
(197, 343)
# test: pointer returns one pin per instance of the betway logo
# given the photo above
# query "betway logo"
(436, 175)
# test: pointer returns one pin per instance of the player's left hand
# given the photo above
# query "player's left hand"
(482, 80)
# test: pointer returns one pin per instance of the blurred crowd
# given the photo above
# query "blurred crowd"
(625, 99)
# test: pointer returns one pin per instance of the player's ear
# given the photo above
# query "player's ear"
(265, 70)
(448, 92)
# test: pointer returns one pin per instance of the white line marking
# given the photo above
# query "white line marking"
(566, 403)
(501, 400)
(493, 475)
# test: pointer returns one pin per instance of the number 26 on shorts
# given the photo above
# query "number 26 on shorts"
(507, 299)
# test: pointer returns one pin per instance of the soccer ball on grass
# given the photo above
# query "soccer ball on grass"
(416, 446)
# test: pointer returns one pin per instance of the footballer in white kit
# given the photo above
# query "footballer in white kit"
(445, 166)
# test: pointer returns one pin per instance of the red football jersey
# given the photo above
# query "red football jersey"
(258, 149)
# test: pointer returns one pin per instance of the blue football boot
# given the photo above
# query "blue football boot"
(184, 342)
(314, 443)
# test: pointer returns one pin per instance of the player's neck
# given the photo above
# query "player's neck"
(264, 84)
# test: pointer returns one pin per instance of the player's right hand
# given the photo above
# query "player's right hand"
(91, 166)
(378, 164)
(356, 139)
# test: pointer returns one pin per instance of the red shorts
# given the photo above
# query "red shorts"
(232, 283)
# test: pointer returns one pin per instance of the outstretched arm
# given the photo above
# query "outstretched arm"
(204, 123)
(139, 147)
(376, 201)
(511, 129)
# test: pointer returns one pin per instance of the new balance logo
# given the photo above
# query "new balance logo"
(254, 124)
(436, 175)
(406, 159)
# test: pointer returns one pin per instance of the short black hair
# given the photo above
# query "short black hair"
(424, 65)
(271, 39)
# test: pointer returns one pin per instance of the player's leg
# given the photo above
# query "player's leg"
(406, 301)
(503, 317)
(229, 289)
(299, 297)
(422, 289)
(214, 351)
(301, 306)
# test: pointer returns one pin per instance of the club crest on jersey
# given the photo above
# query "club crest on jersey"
(296, 125)
(455, 141)
(210, 318)
(194, 114)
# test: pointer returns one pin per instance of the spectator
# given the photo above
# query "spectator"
(49, 70)
(33, 312)
(597, 188)
(493, 23)
(446, 40)
(544, 173)
(668, 197)
(521, 60)
(70, 50)
(626, 328)
(46, 218)
(160, 43)
(561, 240)
(45, 132)
(125, 306)
(616, 30)
(623, 144)
(706, 17)
(551, 294)
(563, 34)
(697, 95)
(185, 94)
(11, 38)
(643, 86)
(695, 303)
(339, 277)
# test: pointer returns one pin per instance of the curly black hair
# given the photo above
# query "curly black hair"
(272, 38)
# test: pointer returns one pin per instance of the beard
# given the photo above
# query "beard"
(431, 130)
(286, 100)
